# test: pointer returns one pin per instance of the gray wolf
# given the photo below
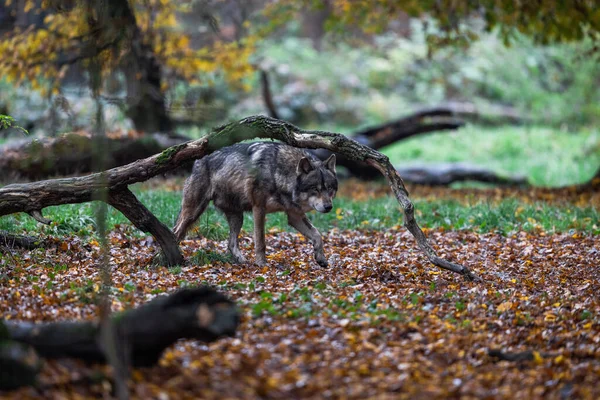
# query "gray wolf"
(261, 177)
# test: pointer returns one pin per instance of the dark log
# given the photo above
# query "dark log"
(19, 364)
(506, 356)
(142, 333)
(445, 174)
(426, 120)
(21, 241)
(124, 201)
(445, 112)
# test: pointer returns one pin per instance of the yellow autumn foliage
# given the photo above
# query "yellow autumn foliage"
(35, 56)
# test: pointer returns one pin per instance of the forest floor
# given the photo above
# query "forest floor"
(380, 322)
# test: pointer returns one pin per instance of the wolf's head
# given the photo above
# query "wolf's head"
(316, 183)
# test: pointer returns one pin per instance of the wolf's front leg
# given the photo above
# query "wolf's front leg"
(303, 225)
(235, 221)
(259, 235)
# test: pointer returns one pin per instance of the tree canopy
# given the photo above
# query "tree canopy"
(148, 42)
(544, 20)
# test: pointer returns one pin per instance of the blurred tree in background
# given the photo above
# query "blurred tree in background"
(140, 45)
(165, 62)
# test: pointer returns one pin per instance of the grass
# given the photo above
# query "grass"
(506, 216)
(547, 156)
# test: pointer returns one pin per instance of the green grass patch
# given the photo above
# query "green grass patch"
(505, 217)
(547, 156)
(202, 257)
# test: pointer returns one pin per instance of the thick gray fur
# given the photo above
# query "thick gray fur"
(261, 177)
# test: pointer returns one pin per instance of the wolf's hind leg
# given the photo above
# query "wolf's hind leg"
(303, 225)
(193, 205)
(259, 235)
(235, 221)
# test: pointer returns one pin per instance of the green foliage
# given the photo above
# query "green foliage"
(547, 156)
(6, 122)
(202, 257)
(351, 85)
(546, 21)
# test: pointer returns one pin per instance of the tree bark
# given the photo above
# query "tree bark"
(72, 154)
(124, 201)
(33, 197)
(146, 103)
(115, 22)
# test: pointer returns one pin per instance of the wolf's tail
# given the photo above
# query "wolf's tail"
(196, 196)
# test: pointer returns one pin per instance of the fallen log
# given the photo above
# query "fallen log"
(142, 334)
(19, 365)
(10, 241)
(265, 127)
(33, 197)
(71, 153)
(445, 174)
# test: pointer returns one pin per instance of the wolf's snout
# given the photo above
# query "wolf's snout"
(324, 208)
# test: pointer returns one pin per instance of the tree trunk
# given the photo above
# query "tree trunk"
(146, 104)
(142, 333)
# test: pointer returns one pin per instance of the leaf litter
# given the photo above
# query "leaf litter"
(380, 322)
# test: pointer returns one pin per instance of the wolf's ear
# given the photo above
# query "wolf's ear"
(304, 166)
(330, 163)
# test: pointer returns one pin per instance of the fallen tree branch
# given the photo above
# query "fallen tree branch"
(143, 333)
(445, 174)
(70, 154)
(10, 240)
(267, 94)
(265, 127)
(37, 195)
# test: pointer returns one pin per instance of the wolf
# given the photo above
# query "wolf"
(262, 178)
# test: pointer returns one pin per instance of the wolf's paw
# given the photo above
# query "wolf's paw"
(260, 261)
(238, 258)
(322, 262)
